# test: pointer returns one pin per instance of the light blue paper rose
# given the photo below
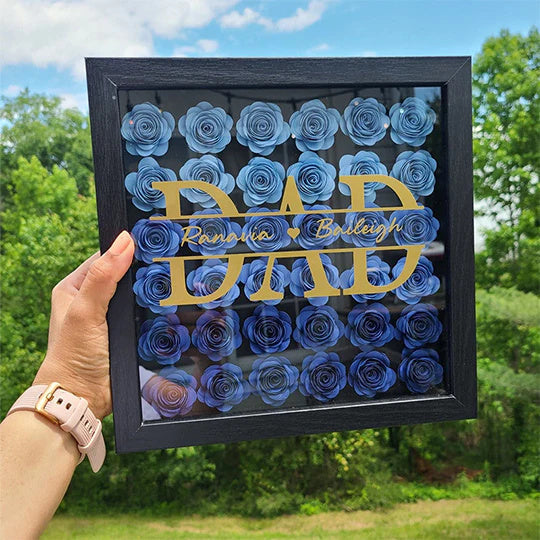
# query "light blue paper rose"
(261, 127)
(261, 180)
(362, 163)
(211, 236)
(217, 334)
(147, 130)
(378, 274)
(420, 370)
(316, 230)
(418, 325)
(302, 279)
(417, 226)
(315, 179)
(156, 239)
(266, 233)
(365, 229)
(268, 330)
(314, 126)
(370, 374)
(421, 283)
(253, 276)
(273, 379)
(368, 326)
(153, 284)
(223, 386)
(364, 121)
(323, 376)
(416, 170)
(411, 121)
(318, 328)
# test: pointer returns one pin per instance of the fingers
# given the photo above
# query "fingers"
(72, 282)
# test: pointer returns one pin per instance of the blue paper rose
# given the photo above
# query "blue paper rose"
(362, 163)
(266, 233)
(147, 130)
(206, 128)
(217, 334)
(315, 179)
(420, 370)
(211, 236)
(253, 276)
(316, 230)
(411, 121)
(273, 379)
(421, 283)
(416, 171)
(318, 327)
(417, 226)
(156, 239)
(261, 127)
(370, 373)
(365, 229)
(418, 325)
(139, 184)
(323, 376)
(314, 126)
(163, 340)
(153, 283)
(378, 274)
(205, 169)
(364, 121)
(368, 326)
(223, 386)
(302, 279)
(268, 330)
(261, 180)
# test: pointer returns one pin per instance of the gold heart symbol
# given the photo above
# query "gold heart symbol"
(293, 232)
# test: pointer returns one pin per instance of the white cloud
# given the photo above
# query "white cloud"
(202, 46)
(320, 48)
(12, 90)
(235, 19)
(75, 101)
(208, 45)
(367, 54)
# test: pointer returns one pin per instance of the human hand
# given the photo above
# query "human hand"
(78, 349)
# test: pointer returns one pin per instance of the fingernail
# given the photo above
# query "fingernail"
(120, 244)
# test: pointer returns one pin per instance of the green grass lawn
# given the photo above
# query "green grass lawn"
(470, 518)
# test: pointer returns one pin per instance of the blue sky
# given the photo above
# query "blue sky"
(44, 42)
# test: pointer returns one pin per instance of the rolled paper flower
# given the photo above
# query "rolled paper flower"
(208, 169)
(323, 376)
(223, 386)
(302, 279)
(273, 379)
(364, 121)
(421, 283)
(153, 284)
(206, 128)
(365, 229)
(361, 164)
(217, 334)
(316, 230)
(318, 328)
(139, 184)
(314, 126)
(368, 326)
(420, 370)
(315, 179)
(147, 130)
(163, 340)
(268, 330)
(261, 180)
(416, 170)
(156, 239)
(411, 121)
(417, 226)
(211, 236)
(370, 374)
(378, 274)
(261, 127)
(418, 325)
(266, 233)
(254, 273)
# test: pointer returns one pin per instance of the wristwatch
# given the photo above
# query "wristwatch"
(69, 412)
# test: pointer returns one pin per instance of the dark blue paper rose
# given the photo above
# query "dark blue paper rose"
(411, 121)
(163, 340)
(302, 279)
(365, 229)
(261, 180)
(139, 184)
(205, 169)
(314, 126)
(421, 283)
(318, 327)
(156, 239)
(206, 128)
(273, 379)
(217, 334)
(266, 233)
(364, 121)
(211, 236)
(147, 130)
(323, 376)
(370, 373)
(368, 326)
(417, 226)
(418, 325)
(316, 230)
(261, 127)
(420, 370)
(378, 274)
(223, 386)
(268, 330)
(315, 179)
(362, 163)
(253, 276)
(416, 170)
(153, 284)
